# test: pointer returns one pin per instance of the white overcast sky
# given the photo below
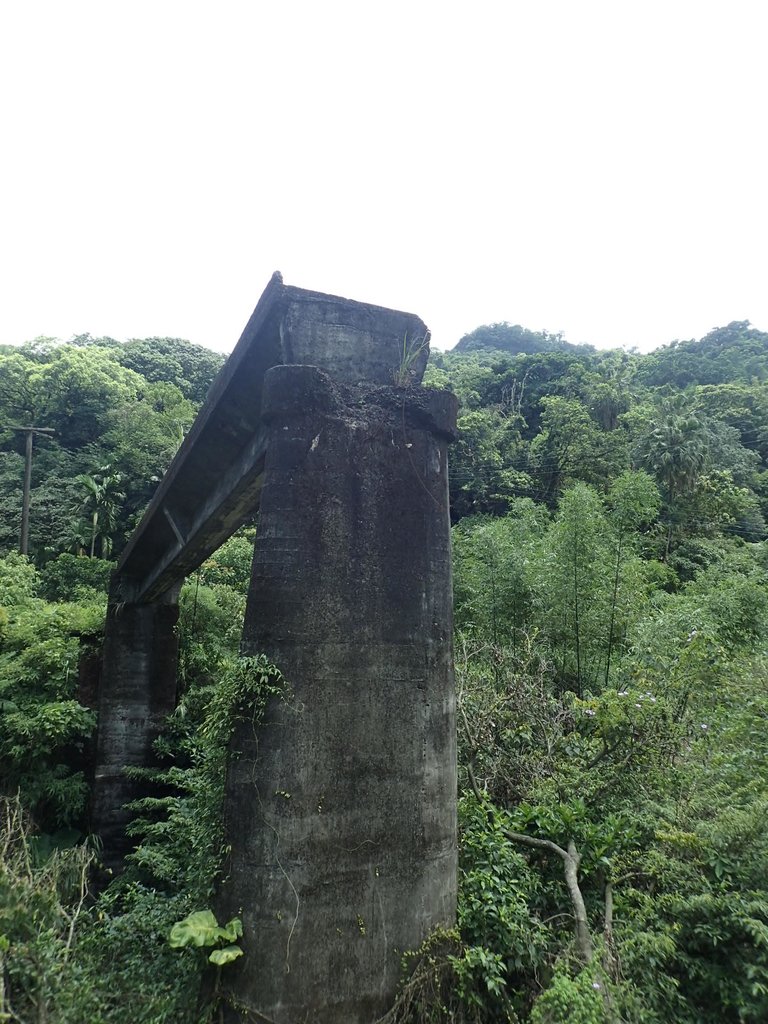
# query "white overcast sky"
(592, 167)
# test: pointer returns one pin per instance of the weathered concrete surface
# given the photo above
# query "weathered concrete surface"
(355, 343)
(138, 691)
(341, 809)
(213, 484)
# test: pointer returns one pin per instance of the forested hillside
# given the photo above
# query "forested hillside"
(119, 412)
(610, 572)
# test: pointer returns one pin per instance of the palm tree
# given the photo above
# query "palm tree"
(101, 502)
(676, 451)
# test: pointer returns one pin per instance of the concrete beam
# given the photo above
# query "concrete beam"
(214, 482)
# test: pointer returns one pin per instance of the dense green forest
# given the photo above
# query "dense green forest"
(610, 570)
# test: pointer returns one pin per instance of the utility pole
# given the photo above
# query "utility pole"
(30, 432)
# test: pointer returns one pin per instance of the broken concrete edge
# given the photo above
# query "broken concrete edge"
(298, 390)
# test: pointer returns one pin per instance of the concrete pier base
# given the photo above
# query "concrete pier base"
(137, 691)
(340, 809)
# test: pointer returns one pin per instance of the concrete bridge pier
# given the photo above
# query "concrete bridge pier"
(138, 691)
(340, 809)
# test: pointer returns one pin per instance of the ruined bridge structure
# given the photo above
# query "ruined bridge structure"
(341, 809)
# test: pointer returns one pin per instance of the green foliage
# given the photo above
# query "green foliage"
(75, 578)
(200, 928)
(411, 349)
(19, 580)
(483, 477)
(654, 777)
(571, 446)
(73, 390)
(493, 561)
(121, 958)
(446, 981)
(191, 368)
(231, 564)
(99, 505)
(721, 958)
(41, 902)
(210, 624)
(142, 438)
(103, 413)
(180, 835)
(675, 449)
(633, 501)
(727, 354)
(577, 574)
(570, 999)
(498, 897)
(45, 730)
(480, 982)
(242, 695)
(118, 953)
(54, 498)
(514, 339)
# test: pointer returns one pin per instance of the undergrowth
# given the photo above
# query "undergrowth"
(69, 956)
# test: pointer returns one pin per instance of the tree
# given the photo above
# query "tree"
(44, 728)
(576, 578)
(633, 502)
(485, 468)
(732, 353)
(515, 339)
(101, 503)
(493, 561)
(191, 368)
(741, 406)
(675, 450)
(76, 389)
(571, 447)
